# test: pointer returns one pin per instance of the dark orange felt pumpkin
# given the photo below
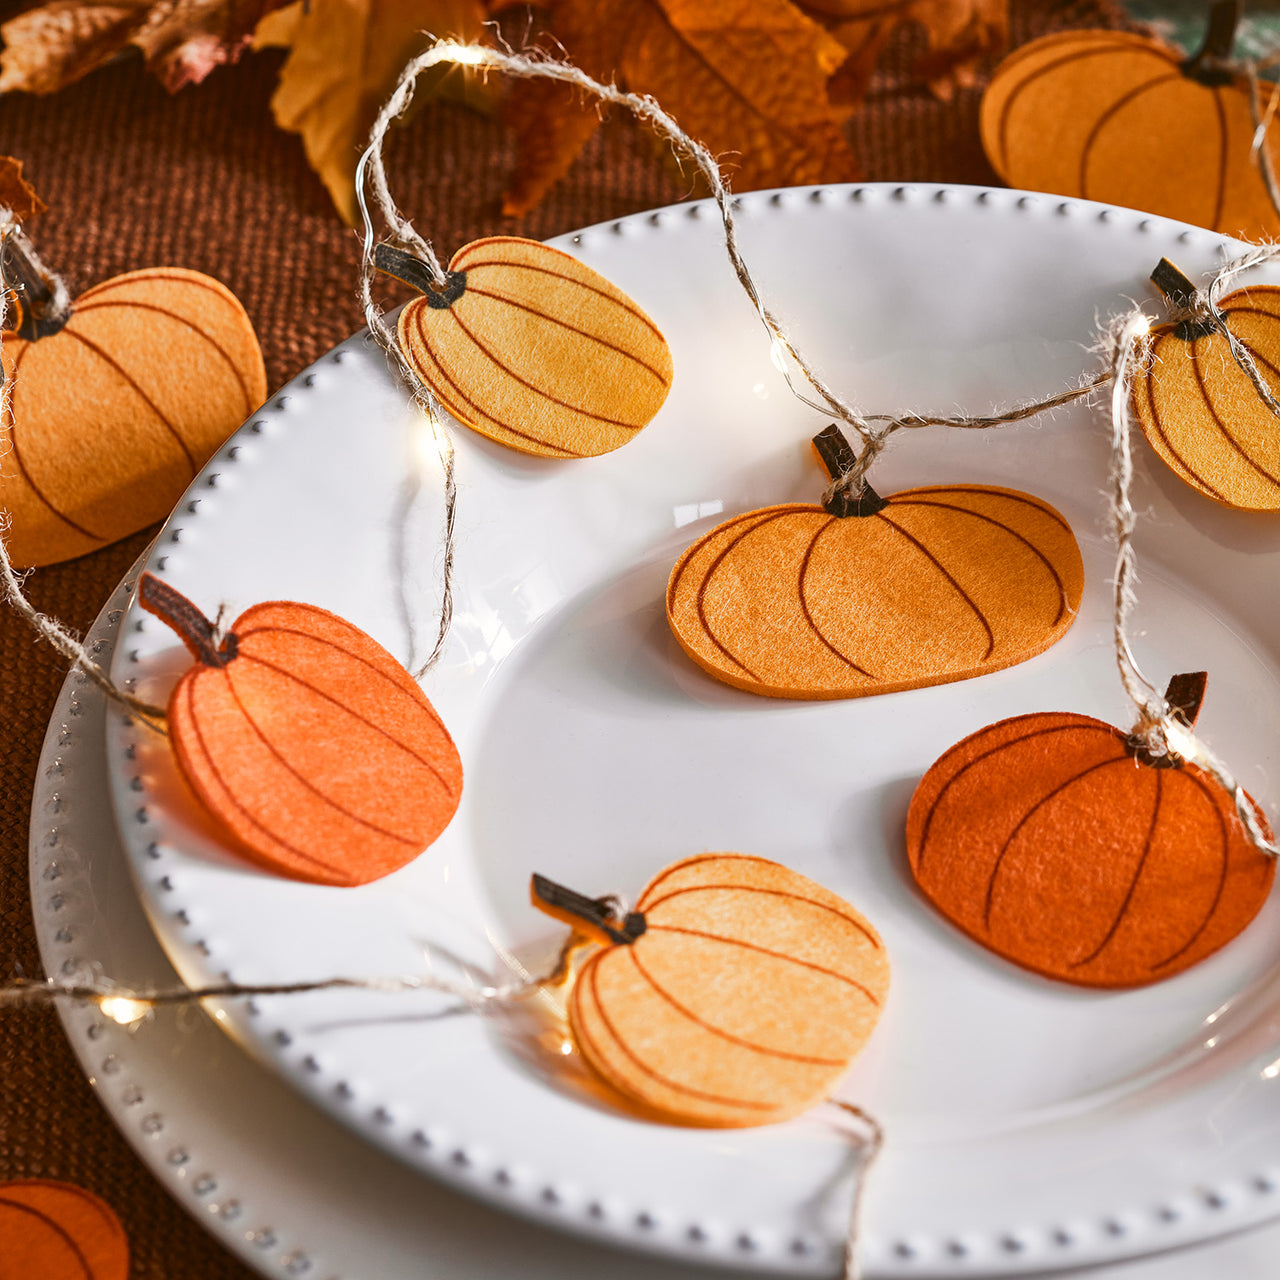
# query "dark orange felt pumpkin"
(533, 349)
(1199, 409)
(1128, 120)
(927, 586)
(1051, 840)
(56, 1231)
(310, 744)
(114, 412)
(735, 994)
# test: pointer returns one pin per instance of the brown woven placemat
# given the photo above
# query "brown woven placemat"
(136, 178)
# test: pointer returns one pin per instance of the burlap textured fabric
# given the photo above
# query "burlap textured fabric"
(135, 178)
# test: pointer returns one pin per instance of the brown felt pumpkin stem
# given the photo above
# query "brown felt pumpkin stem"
(839, 459)
(600, 915)
(33, 293)
(1184, 299)
(417, 275)
(1183, 696)
(193, 628)
(1210, 65)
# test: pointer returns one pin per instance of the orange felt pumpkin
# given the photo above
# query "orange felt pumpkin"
(874, 595)
(310, 744)
(1128, 120)
(1198, 408)
(1053, 841)
(56, 1231)
(114, 411)
(735, 994)
(531, 348)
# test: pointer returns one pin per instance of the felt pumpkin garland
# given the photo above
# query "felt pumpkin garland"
(116, 403)
(1197, 406)
(307, 741)
(870, 595)
(736, 993)
(56, 1231)
(1057, 842)
(1128, 120)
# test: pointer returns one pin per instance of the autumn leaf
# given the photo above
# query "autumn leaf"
(17, 195)
(345, 57)
(181, 40)
(746, 77)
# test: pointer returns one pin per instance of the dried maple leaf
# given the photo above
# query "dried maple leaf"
(17, 195)
(344, 59)
(746, 77)
(959, 33)
(182, 40)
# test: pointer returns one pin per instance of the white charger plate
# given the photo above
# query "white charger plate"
(1030, 1126)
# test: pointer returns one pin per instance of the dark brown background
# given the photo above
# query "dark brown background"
(135, 178)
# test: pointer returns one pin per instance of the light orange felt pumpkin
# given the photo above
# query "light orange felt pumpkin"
(307, 741)
(871, 596)
(533, 349)
(1198, 408)
(1053, 841)
(1128, 120)
(114, 412)
(56, 1231)
(736, 993)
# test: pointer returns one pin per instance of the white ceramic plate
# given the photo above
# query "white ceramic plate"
(1030, 1125)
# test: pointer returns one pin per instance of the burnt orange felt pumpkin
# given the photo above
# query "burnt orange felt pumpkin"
(1198, 408)
(533, 349)
(878, 594)
(736, 993)
(1053, 841)
(1117, 117)
(55, 1231)
(310, 744)
(114, 412)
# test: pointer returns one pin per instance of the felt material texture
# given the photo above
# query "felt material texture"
(1113, 116)
(112, 416)
(538, 352)
(944, 583)
(312, 746)
(56, 1231)
(1045, 840)
(743, 1001)
(1202, 414)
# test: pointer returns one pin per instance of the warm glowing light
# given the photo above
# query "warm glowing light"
(1181, 740)
(465, 55)
(123, 1010)
(566, 1047)
(778, 354)
(1272, 1070)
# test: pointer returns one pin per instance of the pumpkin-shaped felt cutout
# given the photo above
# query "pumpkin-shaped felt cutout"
(736, 993)
(1198, 408)
(1054, 842)
(1129, 120)
(56, 1231)
(859, 597)
(113, 412)
(533, 349)
(311, 746)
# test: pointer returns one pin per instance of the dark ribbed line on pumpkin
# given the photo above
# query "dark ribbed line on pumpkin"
(964, 595)
(54, 1226)
(492, 357)
(230, 798)
(645, 1069)
(1217, 417)
(1149, 384)
(146, 278)
(16, 452)
(1223, 862)
(991, 751)
(81, 309)
(355, 715)
(1137, 875)
(1030, 813)
(678, 575)
(1026, 542)
(474, 291)
(712, 1029)
(1224, 141)
(653, 904)
(142, 395)
(278, 756)
(804, 603)
(763, 951)
(476, 410)
(414, 694)
(645, 898)
(1009, 495)
(1108, 115)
